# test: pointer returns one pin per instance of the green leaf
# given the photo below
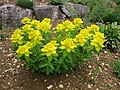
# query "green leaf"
(51, 66)
(117, 66)
(43, 65)
(64, 66)
(57, 69)
(29, 60)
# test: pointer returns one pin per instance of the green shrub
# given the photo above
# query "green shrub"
(25, 3)
(55, 49)
(98, 9)
(117, 66)
(58, 2)
(75, 1)
(114, 16)
(117, 1)
(112, 34)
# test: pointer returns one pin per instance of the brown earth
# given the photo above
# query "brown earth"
(97, 74)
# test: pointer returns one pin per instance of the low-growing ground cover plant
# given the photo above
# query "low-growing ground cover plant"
(112, 34)
(25, 3)
(117, 67)
(55, 49)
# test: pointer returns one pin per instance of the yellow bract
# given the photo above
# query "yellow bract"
(98, 41)
(77, 22)
(26, 20)
(35, 23)
(27, 28)
(85, 33)
(60, 27)
(23, 50)
(16, 38)
(93, 29)
(68, 25)
(33, 35)
(65, 26)
(45, 25)
(49, 48)
(80, 39)
(68, 44)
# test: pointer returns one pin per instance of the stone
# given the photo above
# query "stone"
(11, 15)
(50, 87)
(75, 10)
(1, 3)
(47, 11)
(61, 86)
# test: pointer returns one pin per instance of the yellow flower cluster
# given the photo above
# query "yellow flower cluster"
(45, 25)
(81, 37)
(17, 36)
(77, 22)
(31, 35)
(66, 26)
(68, 44)
(98, 41)
(24, 49)
(25, 20)
(50, 48)
(93, 29)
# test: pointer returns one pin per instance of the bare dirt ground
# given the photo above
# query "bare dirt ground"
(97, 74)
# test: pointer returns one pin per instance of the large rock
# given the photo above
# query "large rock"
(47, 11)
(11, 15)
(73, 10)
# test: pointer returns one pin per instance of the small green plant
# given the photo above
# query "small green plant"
(99, 9)
(117, 66)
(117, 1)
(59, 2)
(25, 3)
(3, 36)
(75, 1)
(112, 34)
(55, 49)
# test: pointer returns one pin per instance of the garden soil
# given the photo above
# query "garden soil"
(96, 74)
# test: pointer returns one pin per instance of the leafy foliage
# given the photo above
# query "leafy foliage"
(58, 2)
(99, 9)
(58, 50)
(117, 66)
(112, 34)
(25, 3)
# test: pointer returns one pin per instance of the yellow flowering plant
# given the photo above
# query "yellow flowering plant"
(72, 44)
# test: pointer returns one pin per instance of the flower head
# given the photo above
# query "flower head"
(77, 22)
(98, 41)
(49, 49)
(25, 20)
(23, 50)
(16, 38)
(80, 39)
(68, 44)
(60, 27)
(45, 25)
(68, 25)
(27, 28)
(85, 33)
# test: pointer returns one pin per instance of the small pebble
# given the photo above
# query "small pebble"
(50, 87)
(66, 75)
(45, 80)
(97, 89)
(89, 66)
(89, 86)
(105, 51)
(61, 86)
